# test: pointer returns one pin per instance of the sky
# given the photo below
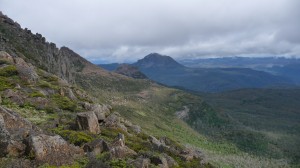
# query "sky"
(106, 31)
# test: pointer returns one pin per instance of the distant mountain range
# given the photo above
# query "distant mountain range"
(166, 70)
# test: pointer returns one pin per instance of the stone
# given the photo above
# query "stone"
(156, 143)
(141, 163)
(96, 147)
(26, 71)
(170, 161)
(159, 161)
(16, 149)
(70, 94)
(113, 120)
(136, 128)
(88, 121)
(190, 153)
(6, 57)
(122, 152)
(53, 150)
(4, 137)
(119, 140)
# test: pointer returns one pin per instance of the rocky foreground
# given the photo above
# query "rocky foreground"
(45, 121)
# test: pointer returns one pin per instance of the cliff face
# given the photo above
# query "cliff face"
(35, 49)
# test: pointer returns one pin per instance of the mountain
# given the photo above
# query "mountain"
(155, 60)
(130, 71)
(166, 70)
(54, 104)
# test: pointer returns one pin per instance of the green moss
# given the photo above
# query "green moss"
(64, 103)
(74, 137)
(8, 71)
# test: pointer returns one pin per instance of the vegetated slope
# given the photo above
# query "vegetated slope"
(143, 102)
(291, 71)
(271, 116)
(166, 70)
(130, 71)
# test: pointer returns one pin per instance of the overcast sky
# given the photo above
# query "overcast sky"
(127, 30)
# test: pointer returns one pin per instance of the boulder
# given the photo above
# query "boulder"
(101, 111)
(170, 161)
(4, 56)
(121, 152)
(96, 147)
(53, 150)
(140, 163)
(159, 161)
(158, 145)
(114, 121)
(4, 137)
(26, 71)
(136, 128)
(189, 154)
(88, 121)
(119, 140)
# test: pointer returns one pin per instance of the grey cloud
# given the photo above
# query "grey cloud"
(118, 30)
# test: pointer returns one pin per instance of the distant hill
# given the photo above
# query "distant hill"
(166, 70)
(130, 71)
(291, 71)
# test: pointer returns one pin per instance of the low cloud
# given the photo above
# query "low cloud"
(124, 31)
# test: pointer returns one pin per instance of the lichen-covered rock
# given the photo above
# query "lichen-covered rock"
(96, 147)
(88, 121)
(114, 121)
(53, 150)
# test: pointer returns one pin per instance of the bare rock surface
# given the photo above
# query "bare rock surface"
(88, 121)
(53, 150)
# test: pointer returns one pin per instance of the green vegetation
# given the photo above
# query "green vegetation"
(8, 71)
(64, 103)
(36, 94)
(75, 137)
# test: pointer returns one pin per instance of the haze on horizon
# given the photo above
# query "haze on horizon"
(124, 31)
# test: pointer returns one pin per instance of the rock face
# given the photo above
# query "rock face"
(88, 121)
(53, 150)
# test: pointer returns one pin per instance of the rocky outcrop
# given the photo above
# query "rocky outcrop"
(15, 96)
(114, 121)
(96, 147)
(119, 149)
(53, 150)
(26, 71)
(88, 121)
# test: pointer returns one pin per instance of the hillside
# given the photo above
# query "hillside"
(166, 70)
(272, 115)
(66, 107)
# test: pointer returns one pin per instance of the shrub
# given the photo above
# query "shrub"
(36, 94)
(75, 137)
(8, 71)
(64, 102)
